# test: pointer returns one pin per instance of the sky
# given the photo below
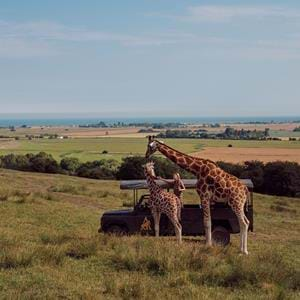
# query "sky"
(150, 58)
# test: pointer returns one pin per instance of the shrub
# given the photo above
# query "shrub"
(254, 170)
(231, 168)
(16, 162)
(132, 168)
(70, 164)
(282, 178)
(99, 169)
(44, 163)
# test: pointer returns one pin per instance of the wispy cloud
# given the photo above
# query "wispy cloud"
(225, 13)
(38, 38)
(34, 39)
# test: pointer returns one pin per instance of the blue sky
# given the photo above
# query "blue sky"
(150, 58)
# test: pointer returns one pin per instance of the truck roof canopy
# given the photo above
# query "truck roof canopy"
(189, 184)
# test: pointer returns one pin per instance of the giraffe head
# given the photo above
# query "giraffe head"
(149, 168)
(152, 146)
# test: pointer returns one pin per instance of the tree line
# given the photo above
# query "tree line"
(228, 134)
(274, 178)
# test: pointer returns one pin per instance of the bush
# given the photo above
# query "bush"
(99, 169)
(282, 178)
(254, 170)
(16, 162)
(275, 178)
(70, 164)
(234, 169)
(44, 163)
(132, 168)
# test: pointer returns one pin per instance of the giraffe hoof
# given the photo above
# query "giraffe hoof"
(244, 253)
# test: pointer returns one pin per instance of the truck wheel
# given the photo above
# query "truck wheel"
(116, 230)
(220, 236)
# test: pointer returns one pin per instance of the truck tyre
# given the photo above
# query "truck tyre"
(116, 230)
(220, 236)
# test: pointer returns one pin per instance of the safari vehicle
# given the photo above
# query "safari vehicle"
(139, 219)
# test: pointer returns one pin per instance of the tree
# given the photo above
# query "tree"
(70, 164)
(254, 170)
(233, 169)
(132, 168)
(99, 169)
(44, 163)
(282, 178)
(15, 162)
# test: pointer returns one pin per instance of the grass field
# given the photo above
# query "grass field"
(50, 248)
(91, 148)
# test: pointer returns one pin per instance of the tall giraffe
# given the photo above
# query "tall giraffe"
(162, 202)
(213, 185)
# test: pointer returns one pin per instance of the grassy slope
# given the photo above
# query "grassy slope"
(91, 148)
(50, 248)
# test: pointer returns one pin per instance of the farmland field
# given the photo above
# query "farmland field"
(50, 248)
(118, 147)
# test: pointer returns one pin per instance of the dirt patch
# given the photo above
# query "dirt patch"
(243, 154)
(8, 144)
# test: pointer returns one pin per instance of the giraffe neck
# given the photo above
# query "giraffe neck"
(153, 186)
(186, 162)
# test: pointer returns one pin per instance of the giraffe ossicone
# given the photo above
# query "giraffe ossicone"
(213, 185)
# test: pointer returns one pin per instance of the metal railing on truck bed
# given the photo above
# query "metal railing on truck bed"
(141, 184)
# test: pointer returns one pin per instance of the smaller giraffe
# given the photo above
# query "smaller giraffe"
(162, 201)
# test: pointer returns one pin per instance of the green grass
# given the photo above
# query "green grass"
(284, 133)
(50, 248)
(87, 149)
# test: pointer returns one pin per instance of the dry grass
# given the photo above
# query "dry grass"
(51, 249)
(235, 155)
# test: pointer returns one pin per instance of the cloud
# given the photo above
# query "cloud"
(226, 13)
(35, 39)
(41, 38)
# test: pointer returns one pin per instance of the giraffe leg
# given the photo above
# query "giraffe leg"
(177, 226)
(179, 209)
(156, 217)
(244, 224)
(246, 235)
(207, 221)
(178, 231)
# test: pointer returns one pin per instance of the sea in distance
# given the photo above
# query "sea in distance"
(7, 120)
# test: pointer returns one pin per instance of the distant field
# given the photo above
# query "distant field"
(91, 148)
(50, 248)
(284, 133)
(276, 130)
(237, 155)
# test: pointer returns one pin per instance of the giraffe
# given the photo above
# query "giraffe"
(161, 201)
(213, 185)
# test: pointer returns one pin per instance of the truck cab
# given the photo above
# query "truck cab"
(138, 220)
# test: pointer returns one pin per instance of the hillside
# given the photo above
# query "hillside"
(49, 248)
